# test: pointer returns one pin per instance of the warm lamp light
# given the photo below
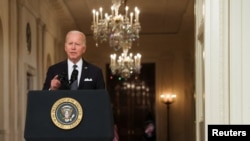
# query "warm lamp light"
(168, 98)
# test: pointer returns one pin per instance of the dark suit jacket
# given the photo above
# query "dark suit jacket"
(91, 76)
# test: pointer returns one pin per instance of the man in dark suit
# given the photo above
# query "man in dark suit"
(88, 76)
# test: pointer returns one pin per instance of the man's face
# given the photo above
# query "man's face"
(75, 46)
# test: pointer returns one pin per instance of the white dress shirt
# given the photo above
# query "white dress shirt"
(79, 68)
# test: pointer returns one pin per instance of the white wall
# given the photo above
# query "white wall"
(16, 61)
(4, 91)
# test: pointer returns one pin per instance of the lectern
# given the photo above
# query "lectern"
(63, 115)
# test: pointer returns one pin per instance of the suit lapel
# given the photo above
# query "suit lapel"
(64, 70)
(83, 74)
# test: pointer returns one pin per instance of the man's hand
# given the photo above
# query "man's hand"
(55, 83)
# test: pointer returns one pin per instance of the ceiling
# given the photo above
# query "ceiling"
(156, 16)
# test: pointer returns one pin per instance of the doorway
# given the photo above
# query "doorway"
(133, 102)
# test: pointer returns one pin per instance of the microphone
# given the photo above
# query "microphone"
(62, 77)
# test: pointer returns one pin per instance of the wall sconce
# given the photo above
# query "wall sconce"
(168, 99)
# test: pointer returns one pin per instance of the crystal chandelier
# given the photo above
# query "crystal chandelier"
(125, 64)
(120, 30)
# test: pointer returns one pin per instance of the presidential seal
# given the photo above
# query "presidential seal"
(66, 113)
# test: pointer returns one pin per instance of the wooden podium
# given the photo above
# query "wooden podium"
(63, 115)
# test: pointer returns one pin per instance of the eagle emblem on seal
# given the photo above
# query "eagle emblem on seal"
(66, 113)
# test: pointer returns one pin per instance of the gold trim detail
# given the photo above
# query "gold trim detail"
(66, 113)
